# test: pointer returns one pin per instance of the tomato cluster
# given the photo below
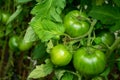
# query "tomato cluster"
(87, 59)
(17, 44)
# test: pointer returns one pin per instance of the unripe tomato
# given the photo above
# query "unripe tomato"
(4, 17)
(89, 61)
(60, 56)
(24, 46)
(75, 25)
(13, 43)
(105, 37)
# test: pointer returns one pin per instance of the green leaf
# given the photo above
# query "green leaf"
(118, 65)
(70, 1)
(106, 14)
(47, 22)
(46, 29)
(117, 2)
(106, 73)
(116, 27)
(49, 46)
(67, 76)
(39, 51)
(41, 70)
(30, 35)
(59, 73)
(50, 9)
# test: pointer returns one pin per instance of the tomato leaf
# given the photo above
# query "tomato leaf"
(67, 76)
(42, 70)
(106, 73)
(118, 65)
(70, 1)
(39, 51)
(47, 29)
(59, 73)
(117, 2)
(30, 35)
(106, 14)
(116, 27)
(47, 22)
(50, 9)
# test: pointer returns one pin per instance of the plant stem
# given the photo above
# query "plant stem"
(9, 63)
(113, 47)
(2, 57)
(90, 32)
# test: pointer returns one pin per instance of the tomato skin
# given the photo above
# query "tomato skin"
(89, 61)
(24, 46)
(13, 43)
(106, 38)
(60, 56)
(73, 24)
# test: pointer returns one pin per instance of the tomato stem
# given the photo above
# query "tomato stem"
(90, 32)
(113, 47)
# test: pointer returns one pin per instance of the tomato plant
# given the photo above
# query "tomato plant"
(60, 56)
(89, 61)
(74, 25)
(61, 39)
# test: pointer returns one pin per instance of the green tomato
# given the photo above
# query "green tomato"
(24, 46)
(75, 25)
(4, 17)
(13, 43)
(60, 56)
(105, 37)
(89, 61)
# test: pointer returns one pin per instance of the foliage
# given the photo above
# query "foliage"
(41, 23)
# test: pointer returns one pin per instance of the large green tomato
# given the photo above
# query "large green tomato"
(24, 46)
(105, 38)
(13, 43)
(60, 56)
(89, 61)
(74, 23)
